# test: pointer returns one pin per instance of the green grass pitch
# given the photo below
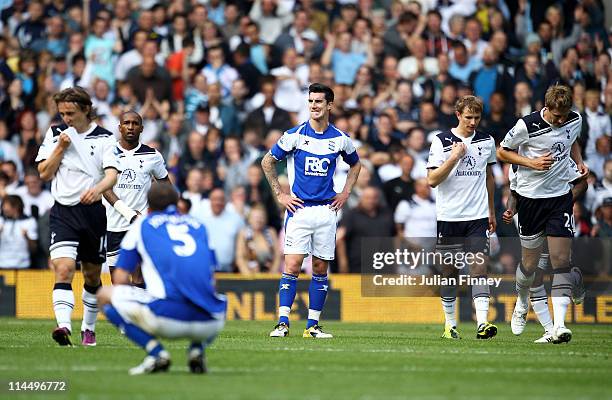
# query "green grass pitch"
(363, 361)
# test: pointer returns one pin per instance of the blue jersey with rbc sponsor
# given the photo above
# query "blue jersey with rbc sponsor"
(176, 262)
(311, 159)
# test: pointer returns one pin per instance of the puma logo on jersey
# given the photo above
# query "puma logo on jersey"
(537, 125)
(449, 139)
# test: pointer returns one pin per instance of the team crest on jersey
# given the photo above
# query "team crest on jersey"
(557, 150)
(466, 167)
(331, 146)
(469, 162)
(128, 175)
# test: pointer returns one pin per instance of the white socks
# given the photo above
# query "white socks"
(539, 303)
(63, 303)
(90, 307)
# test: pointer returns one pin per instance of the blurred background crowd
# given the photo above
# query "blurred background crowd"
(217, 82)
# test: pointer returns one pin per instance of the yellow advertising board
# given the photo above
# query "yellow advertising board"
(256, 299)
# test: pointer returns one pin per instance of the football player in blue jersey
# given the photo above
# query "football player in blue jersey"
(312, 149)
(180, 299)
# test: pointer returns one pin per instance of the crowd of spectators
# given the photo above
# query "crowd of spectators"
(217, 82)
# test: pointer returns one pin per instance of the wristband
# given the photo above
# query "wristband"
(124, 210)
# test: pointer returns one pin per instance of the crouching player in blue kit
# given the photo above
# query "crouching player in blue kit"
(180, 299)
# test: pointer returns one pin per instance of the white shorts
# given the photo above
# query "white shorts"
(132, 303)
(311, 230)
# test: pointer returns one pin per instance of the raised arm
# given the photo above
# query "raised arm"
(435, 176)
(541, 163)
(47, 168)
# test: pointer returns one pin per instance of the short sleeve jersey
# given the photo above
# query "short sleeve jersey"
(533, 137)
(462, 196)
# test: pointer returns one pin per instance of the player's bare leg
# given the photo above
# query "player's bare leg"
(562, 285)
(91, 276)
(63, 299)
(286, 292)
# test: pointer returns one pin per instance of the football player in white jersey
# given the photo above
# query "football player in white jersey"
(460, 166)
(77, 156)
(139, 164)
(540, 145)
(537, 293)
(312, 149)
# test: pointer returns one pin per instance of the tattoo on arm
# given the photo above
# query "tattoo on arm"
(268, 166)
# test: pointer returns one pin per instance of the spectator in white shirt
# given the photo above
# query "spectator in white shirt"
(598, 123)
(416, 218)
(18, 234)
(291, 78)
(36, 200)
(217, 70)
(223, 226)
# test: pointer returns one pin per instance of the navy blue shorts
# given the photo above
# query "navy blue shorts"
(78, 232)
(113, 244)
(470, 236)
(550, 216)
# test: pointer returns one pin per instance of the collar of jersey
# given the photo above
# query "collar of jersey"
(92, 127)
(544, 119)
(130, 151)
(310, 129)
(170, 210)
(469, 138)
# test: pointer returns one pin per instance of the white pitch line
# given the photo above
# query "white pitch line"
(328, 369)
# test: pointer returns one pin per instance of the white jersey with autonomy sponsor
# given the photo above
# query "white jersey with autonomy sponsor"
(462, 196)
(573, 176)
(83, 163)
(533, 137)
(138, 167)
(311, 159)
